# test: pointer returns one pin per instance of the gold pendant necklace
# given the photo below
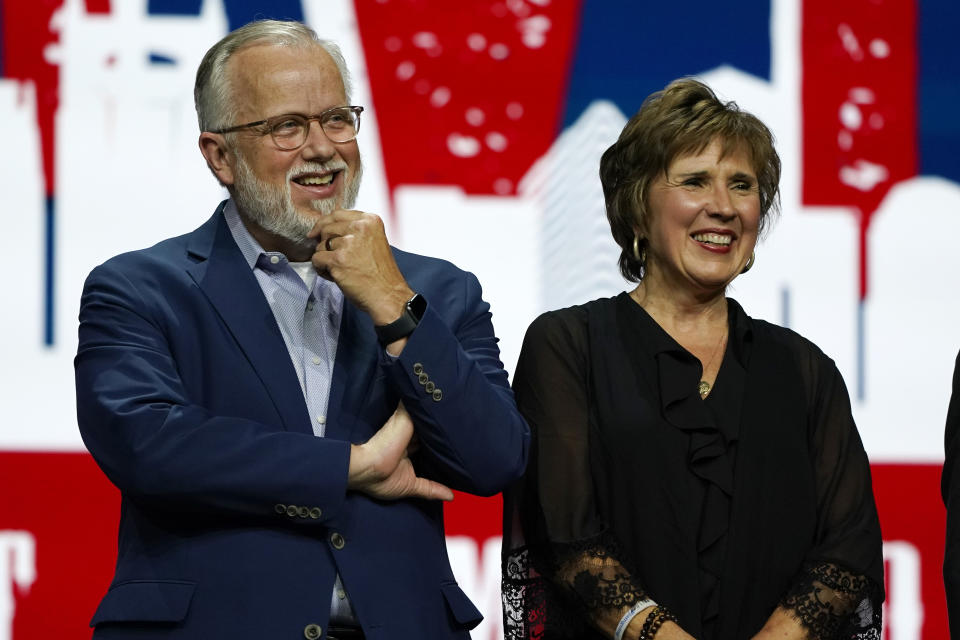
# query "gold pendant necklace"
(704, 386)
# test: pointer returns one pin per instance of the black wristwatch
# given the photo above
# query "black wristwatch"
(405, 324)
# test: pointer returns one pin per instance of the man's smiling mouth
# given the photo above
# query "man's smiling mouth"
(314, 180)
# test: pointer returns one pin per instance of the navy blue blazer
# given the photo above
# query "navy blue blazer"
(234, 516)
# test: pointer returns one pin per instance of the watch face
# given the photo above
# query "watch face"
(417, 305)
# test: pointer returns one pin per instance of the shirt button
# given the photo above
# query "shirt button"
(316, 360)
(337, 540)
(341, 594)
(312, 631)
(274, 259)
(322, 419)
(309, 306)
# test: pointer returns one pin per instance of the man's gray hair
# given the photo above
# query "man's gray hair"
(212, 91)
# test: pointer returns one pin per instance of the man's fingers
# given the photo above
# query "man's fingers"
(432, 490)
(335, 222)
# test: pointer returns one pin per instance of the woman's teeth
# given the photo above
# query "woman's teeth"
(713, 238)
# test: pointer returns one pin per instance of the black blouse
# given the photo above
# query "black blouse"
(720, 509)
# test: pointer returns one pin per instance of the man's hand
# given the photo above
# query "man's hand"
(352, 251)
(381, 468)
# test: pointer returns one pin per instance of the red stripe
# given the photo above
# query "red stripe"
(859, 104)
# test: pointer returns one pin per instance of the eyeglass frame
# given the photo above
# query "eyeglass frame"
(356, 109)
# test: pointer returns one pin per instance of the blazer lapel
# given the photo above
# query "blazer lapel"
(228, 282)
(353, 372)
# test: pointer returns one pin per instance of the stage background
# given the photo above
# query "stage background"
(519, 99)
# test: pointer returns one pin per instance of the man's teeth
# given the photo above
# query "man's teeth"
(316, 180)
(713, 238)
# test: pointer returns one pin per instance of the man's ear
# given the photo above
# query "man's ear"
(218, 155)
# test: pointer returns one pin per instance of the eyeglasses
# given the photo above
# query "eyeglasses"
(290, 130)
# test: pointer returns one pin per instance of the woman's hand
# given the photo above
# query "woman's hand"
(669, 631)
(782, 625)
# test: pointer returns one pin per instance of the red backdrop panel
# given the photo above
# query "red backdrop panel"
(70, 510)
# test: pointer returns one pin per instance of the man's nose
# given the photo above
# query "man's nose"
(317, 145)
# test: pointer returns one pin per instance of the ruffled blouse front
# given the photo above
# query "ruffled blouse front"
(719, 509)
(711, 426)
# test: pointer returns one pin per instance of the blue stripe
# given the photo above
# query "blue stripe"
(862, 350)
(160, 58)
(49, 264)
(627, 50)
(239, 12)
(785, 306)
(938, 89)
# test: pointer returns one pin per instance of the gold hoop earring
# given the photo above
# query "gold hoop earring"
(640, 255)
(749, 265)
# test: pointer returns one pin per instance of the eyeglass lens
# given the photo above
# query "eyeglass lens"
(290, 131)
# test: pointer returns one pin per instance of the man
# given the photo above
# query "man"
(253, 387)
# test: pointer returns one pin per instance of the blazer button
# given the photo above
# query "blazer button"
(423, 378)
(303, 512)
(337, 540)
(315, 513)
(437, 395)
(291, 510)
(312, 631)
(280, 508)
(417, 368)
(429, 387)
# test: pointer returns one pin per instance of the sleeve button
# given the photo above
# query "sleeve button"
(280, 508)
(417, 368)
(423, 378)
(429, 387)
(291, 510)
(315, 513)
(437, 395)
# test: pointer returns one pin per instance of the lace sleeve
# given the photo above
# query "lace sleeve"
(562, 572)
(832, 602)
(839, 593)
(583, 585)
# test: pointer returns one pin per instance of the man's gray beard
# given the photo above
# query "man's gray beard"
(271, 206)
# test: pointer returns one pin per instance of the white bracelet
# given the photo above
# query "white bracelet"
(630, 615)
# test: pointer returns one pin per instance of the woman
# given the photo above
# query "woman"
(695, 472)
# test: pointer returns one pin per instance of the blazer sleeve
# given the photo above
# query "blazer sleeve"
(452, 382)
(155, 442)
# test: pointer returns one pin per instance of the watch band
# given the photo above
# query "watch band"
(405, 324)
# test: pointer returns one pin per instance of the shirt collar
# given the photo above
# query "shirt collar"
(248, 245)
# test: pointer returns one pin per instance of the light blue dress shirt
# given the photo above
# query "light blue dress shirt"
(308, 310)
